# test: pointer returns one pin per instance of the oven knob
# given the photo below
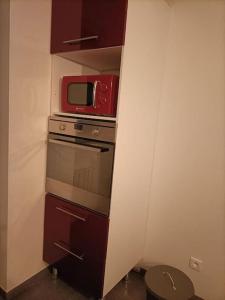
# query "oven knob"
(62, 127)
(78, 126)
(95, 132)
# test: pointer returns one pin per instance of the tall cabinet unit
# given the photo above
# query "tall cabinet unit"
(136, 118)
(75, 237)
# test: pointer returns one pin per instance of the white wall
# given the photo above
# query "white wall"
(140, 87)
(29, 107)
(187, 204)
(4, 127)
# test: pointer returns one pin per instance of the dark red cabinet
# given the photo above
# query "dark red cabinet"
(75, 241)
(88, 24)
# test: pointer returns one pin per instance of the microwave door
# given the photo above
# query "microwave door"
(81, 94)
(81, 171)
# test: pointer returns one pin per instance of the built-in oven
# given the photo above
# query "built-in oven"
(80, 161)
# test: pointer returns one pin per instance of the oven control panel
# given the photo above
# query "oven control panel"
(101, 131)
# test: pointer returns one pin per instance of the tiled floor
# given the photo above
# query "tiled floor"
(47, 288)
(50, 289)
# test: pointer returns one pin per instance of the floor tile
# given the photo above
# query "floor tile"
(48, 288)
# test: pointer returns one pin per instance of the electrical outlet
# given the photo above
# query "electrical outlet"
(195, 264)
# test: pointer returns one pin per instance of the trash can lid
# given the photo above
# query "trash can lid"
(169, 283)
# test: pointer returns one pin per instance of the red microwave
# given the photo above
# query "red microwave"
(90, 94)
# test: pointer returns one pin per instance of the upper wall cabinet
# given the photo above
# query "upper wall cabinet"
(87, 24)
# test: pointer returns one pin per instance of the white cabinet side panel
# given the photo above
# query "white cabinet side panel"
(139, 96)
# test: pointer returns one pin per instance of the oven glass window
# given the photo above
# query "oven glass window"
(80, 93)
(82, 167)
(80, 170)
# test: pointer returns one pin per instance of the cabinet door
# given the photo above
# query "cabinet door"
(90, 24)
(75, 242)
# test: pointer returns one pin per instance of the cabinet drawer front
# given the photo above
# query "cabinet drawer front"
(75, 229)
(75, 241)
(87, 276)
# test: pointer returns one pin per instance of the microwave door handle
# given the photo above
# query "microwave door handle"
(79, 146)
(94, 93)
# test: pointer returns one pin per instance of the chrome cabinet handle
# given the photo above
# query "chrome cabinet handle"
(94, 93)
(92, 37)
(80, 257)
(171, 279)
(70, 214)
(80, 146)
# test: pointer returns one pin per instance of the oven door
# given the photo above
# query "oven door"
(80, 170)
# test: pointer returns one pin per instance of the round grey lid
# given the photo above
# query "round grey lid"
(168, 283)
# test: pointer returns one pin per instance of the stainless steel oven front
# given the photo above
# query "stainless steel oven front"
(80, 161)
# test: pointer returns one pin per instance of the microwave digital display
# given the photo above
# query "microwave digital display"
(80, 93)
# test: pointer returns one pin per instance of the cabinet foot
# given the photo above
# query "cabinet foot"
(54, 273)
(126, 280)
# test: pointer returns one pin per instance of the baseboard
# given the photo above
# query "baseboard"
(23, 286)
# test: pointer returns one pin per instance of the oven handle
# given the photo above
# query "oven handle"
(79, 146)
